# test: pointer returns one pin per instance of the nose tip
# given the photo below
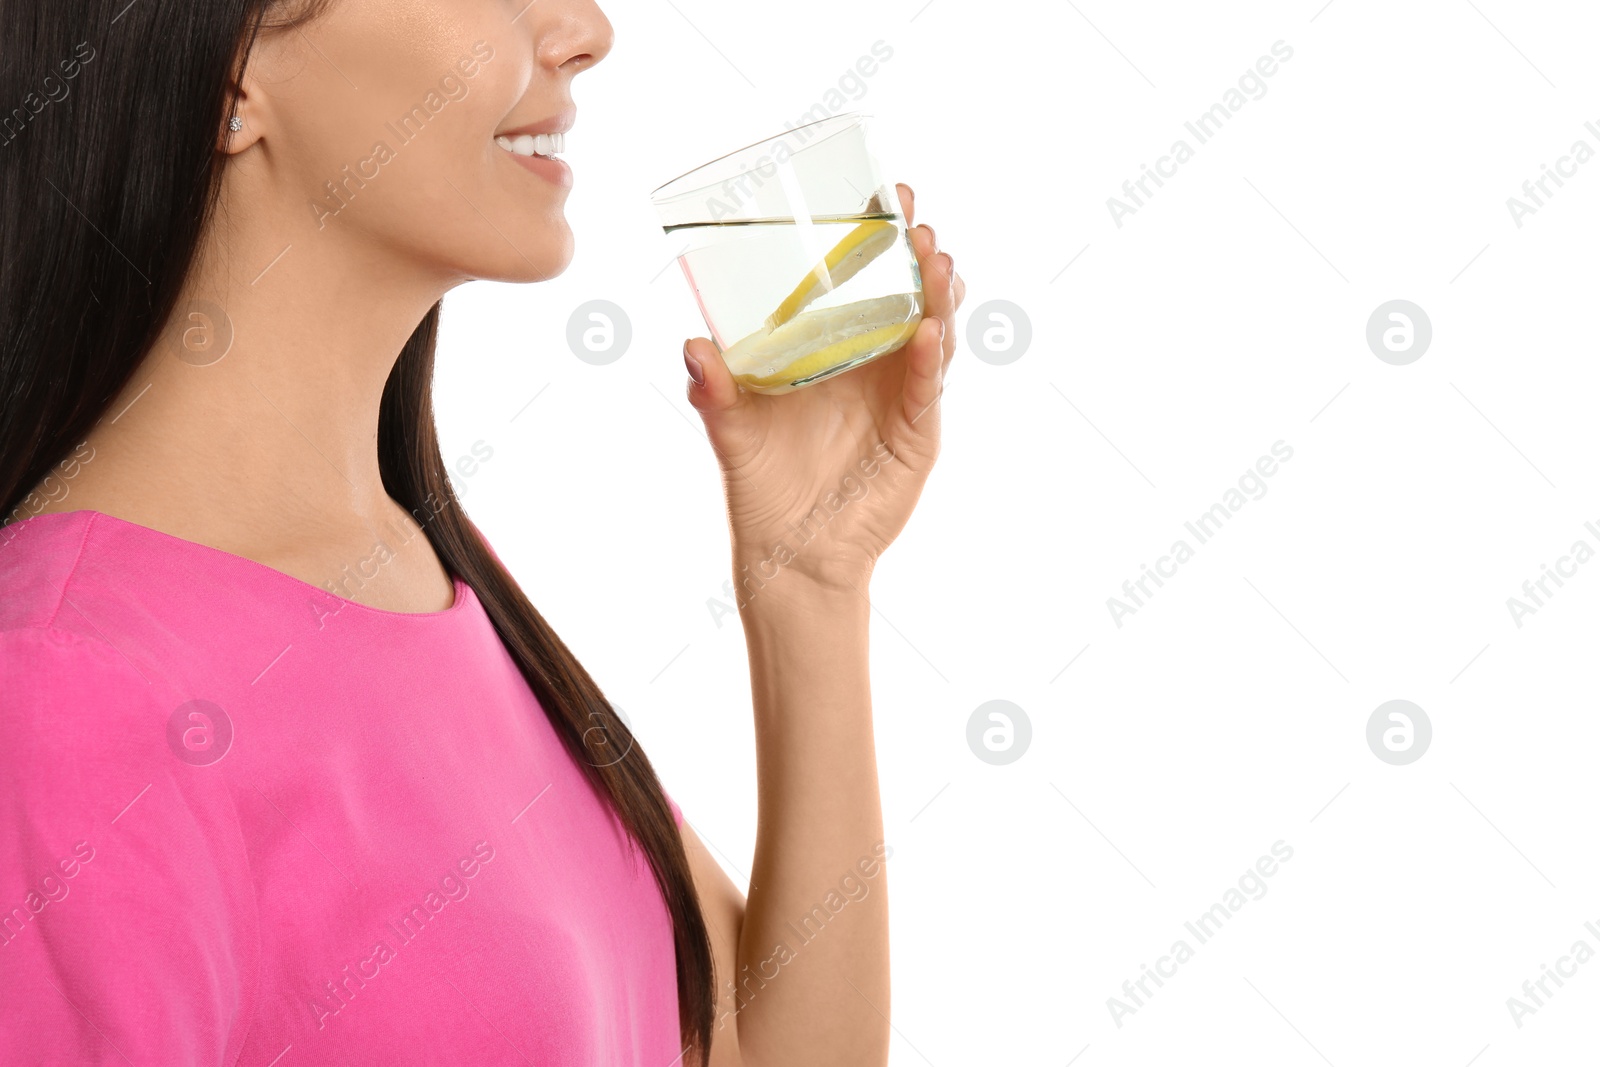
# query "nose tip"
(591, 39)
(605, 37)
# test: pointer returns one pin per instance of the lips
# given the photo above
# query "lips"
(560, 122)
(535, 146)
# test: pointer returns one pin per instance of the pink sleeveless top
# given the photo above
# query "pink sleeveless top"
(246, 821)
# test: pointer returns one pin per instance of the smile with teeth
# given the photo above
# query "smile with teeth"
(537, 144)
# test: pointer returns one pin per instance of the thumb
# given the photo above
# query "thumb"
(712, 389)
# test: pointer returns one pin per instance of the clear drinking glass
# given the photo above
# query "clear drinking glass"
(797, 253)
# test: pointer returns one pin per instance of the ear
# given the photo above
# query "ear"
(238, 132)
(247, 106)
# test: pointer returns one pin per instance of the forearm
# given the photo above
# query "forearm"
(813, 956)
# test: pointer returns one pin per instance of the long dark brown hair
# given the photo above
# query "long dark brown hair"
(109, 174)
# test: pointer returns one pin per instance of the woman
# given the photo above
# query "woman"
(286, 783)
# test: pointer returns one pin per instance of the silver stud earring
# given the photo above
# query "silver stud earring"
(236, 124)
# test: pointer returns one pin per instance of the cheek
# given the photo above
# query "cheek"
(408, 158)
(390, 72)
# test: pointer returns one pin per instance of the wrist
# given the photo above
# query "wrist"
(805, 623)
(760, 584)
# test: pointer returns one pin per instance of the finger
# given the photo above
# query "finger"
(938, 293)
(925, 246)
(924, 380)
(717, 392)
(908, 201)
(960, 290)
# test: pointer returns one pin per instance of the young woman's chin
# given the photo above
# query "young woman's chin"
(503, 241)
(518, 231)
(543, 249)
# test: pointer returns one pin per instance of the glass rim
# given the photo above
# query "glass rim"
(845, 118)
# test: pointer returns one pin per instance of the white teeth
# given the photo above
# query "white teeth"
(542, 144)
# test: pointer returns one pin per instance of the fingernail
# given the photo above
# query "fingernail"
(693, 364)
(941, 328)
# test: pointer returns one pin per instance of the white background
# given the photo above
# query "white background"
(1227, 314)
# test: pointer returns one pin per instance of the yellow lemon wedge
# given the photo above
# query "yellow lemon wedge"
(772, 361)
(858, 248)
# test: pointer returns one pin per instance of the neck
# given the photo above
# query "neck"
(277, 431)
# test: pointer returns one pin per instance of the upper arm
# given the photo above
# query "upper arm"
(722, 904)
(126, 914)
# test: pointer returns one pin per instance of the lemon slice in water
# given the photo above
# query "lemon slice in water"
(814, 341)
(859, 247)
